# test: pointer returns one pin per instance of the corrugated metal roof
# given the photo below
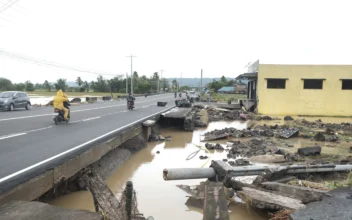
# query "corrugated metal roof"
(247, 75)
(227, 89)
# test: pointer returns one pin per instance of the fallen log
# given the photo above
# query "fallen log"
(266, 200)
(102, 195)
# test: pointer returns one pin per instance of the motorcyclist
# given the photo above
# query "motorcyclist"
(130, 98)
(175, 94)
(58, 102)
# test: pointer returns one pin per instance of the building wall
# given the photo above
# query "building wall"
(294, 100)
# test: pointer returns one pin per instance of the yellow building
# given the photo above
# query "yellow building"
(316, 90)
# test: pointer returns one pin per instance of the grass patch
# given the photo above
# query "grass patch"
(346, 183)
(312, 185)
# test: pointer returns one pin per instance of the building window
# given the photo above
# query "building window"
(347, 84)
(276, 83)
(313, 84)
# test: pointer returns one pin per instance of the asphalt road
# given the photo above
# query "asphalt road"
(30, 142)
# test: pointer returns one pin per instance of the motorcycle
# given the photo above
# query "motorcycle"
(130, 105)
(180, 95)
(58, 116)
(175, 95)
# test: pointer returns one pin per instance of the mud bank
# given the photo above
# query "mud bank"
(103, 167)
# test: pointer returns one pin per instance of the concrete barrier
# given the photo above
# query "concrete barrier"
(91, 99)
(106, 98)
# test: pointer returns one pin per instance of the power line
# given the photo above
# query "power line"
(8, 5)
(49, 63)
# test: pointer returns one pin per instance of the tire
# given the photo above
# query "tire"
(28, 106)
(12, 107)
(55, 120)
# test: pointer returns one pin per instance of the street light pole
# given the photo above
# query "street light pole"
(160, 79)
(126, 83)
(131, 74)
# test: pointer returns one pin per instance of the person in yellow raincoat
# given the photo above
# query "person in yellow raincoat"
(58, 102)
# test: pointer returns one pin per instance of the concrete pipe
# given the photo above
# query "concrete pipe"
(188, 173)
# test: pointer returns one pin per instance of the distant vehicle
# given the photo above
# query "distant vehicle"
(12, 99)
(130, 105)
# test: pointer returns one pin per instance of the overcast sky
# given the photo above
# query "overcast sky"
(180, 36)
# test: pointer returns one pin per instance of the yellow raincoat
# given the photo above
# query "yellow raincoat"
(59, 100)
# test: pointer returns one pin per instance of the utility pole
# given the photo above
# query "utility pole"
(180, 83)
(201, 82)
(126, 83)
(131, 74)
(160, 78)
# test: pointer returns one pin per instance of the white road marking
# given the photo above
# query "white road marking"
(11, 136)
(39, 129)
(88, 119)
(82, 110)
(77, 147)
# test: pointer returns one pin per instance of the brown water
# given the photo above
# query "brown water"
(156, 197)
(163, 199)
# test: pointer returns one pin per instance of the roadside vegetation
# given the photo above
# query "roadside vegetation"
(116, 85)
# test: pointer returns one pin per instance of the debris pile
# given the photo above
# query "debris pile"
(250, 148)
(220, 114)
(214, 146)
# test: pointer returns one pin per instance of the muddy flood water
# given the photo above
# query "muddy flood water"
(163, 199)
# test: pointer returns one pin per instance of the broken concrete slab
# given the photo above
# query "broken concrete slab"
(289, 133)
(149, 123)
(266, 200)
(309, 151)
(215, 202)
(195, 202)
(336, 207)
(21, 210)
(305, 194)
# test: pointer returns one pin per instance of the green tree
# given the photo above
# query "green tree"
(164, 84)
(5, 84)
(79, 81)
(174, 84)
(47, 85)
(223, 79)
(61, 84)
(20, 86)
(29, 86)
(100, 85)
(155, 76)
(86, 86)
